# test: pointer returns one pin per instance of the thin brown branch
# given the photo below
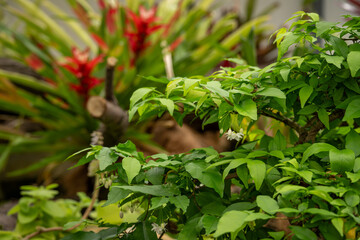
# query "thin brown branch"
(279, 117)
(94, 197)
(313, 127)
(109, 88)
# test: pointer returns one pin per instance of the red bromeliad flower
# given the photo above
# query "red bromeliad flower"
(142, 26)
(80, 65)
(110, 14)
(34, 62)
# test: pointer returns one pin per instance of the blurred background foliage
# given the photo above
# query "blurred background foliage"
(53, 62)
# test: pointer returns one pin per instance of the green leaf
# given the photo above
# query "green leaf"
(243, 174)
(303, 233)
(132, 167)
(190, 230)
(304, 94)
(158, 202)
(352, 199)
(316, 148)
(284, 72)
(231, 222)
(285, 189)
(352, 110)
(354, 177)
(339, 45)
(210, 223)
(256, 216)
(257, 171)
(353, 142)
(319, 211)
(166, 163)
(234, 164)
(357, 165)
(336, 60)
(339, 225)
(215, 87)
(106, 157)
(53, 209)
(272, 92)
(155, 175)
(322, 27)
(209, 177)
(181, 202)
(353, 60)
(324, 117)
(341, 160)
(115, 195)
(267, 204)
(155, 190)
(247, 108)
(139, 94)
(169, 104)
(290, 38)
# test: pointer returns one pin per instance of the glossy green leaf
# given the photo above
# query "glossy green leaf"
(139, 94)
(115, 195)
(303, 233)
(272, 92)
(209, 177)
(106, 157)
(210, 223)
(257, 171)
(339, 225)
(341, 160)
(316, 148)
(352, 199)
(247, 108)
(132, 167)
(353, 142)
(181, 202)
(231, 222)
(324, 117)
(353, 60)
(352, 110)
(339, 45)
(267, 204)
(158, 202)
(169, 104)
(336, 60)
(304, 94)
(285, 73)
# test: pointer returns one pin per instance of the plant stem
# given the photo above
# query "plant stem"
(279, 117)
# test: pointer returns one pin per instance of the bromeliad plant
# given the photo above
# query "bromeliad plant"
(137, 34)
(303, 186)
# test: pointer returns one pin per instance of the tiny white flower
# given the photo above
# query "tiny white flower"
(232, 135)
(159, 229)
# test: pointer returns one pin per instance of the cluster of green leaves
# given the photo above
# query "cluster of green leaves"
(312, 176)
(37, 208)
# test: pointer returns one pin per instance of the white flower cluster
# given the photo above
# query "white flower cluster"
(232, 135)
(159, 229)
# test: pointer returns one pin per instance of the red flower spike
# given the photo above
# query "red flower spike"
(101, 4)
(80, 65)
(110, 19)
(101, 43)
(142, 27)
(34, 62)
